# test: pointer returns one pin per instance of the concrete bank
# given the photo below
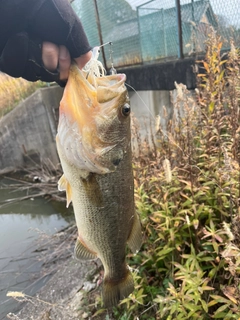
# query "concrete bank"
(27, 134)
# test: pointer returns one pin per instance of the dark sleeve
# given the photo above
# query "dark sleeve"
(25, 24)
(57, 22)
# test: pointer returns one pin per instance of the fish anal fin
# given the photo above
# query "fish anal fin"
(64, 185)
(81, 252)
(114, 291)
(135, 239)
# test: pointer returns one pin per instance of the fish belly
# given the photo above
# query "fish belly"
(104, 210)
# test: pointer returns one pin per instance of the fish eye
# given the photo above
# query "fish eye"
(126, 109)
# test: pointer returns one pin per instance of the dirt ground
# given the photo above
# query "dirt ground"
(64, 296)
(74, 290)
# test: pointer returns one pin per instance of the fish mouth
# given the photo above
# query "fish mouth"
(111, 80)
(102, 89)
(110, 88)
(92, 82)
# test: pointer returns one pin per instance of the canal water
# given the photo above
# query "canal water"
(22, 225)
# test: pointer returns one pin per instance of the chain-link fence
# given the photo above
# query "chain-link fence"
(147, 31)
(199, 16)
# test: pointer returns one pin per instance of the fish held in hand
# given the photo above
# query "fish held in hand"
(94, 146)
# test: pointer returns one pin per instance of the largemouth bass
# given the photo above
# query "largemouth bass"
(94, 146)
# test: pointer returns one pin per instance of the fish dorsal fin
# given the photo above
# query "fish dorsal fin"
(81, 252)
(64, 185)
(135, 239)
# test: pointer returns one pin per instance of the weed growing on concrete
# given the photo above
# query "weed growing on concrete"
(13, 90)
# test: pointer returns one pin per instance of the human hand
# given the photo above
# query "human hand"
(54, 57)
(25, 52)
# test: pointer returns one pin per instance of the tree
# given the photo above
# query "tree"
(86, 12)
(111, 12)
(227, 30)
(115, 11)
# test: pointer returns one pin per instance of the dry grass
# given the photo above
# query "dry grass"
(13, 90)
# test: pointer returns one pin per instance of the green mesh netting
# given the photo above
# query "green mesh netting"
(146, 31)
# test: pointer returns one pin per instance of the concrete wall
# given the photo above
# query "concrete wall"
(28, 133)
(161, 76)
(146, 105)
(30, 130)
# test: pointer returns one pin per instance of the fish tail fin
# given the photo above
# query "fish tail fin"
(114, 291)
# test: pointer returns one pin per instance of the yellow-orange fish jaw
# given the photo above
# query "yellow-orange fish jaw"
(82, 109)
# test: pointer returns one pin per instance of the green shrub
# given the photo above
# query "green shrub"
(188, 194)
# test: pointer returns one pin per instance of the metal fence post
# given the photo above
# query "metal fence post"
(139, 33)
(179, 29)
(164, 34)
(193, 28)
(100, 33)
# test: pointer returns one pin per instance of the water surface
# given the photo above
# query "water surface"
(22, 224)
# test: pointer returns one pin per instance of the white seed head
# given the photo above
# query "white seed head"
(15, 294)
(157, 123)
(167, 170)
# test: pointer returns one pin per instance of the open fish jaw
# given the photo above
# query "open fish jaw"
(88, 119)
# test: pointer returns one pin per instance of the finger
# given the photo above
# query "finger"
(64, 62)
(50, 53)
(82, 60)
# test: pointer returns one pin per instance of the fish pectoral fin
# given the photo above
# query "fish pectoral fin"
(135, 239)
(64, 185)
(81, 252)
